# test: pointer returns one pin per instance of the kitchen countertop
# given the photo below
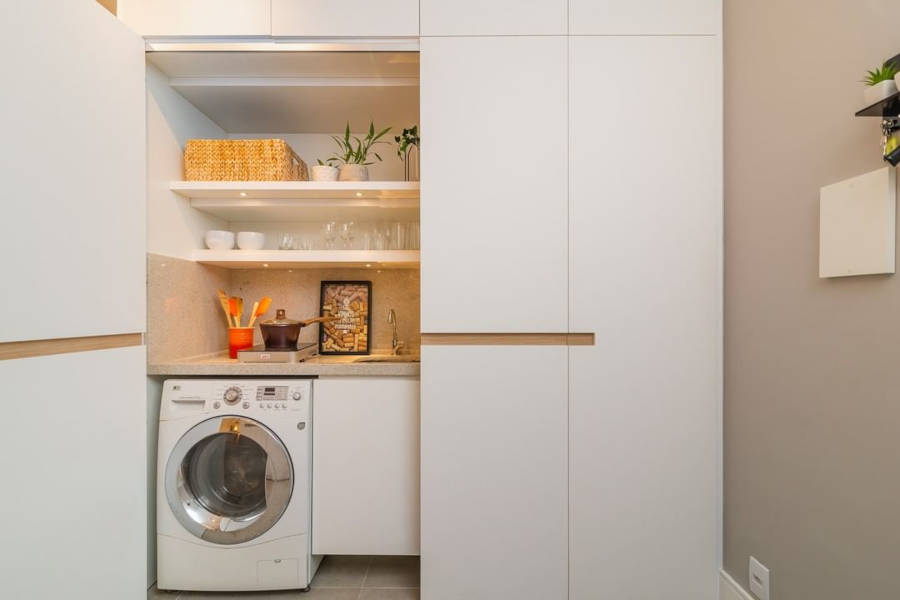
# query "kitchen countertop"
(326, 366)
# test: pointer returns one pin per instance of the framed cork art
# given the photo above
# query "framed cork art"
(348, 302)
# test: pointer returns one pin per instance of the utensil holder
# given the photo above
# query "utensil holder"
(239, 338)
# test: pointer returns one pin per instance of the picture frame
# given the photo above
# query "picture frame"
(350, 333)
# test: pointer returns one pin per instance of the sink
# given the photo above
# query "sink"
(409, 358)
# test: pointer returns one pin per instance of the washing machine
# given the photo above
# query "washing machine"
(233, 485)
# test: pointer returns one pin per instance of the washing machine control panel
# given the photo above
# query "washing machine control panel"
(232, 395)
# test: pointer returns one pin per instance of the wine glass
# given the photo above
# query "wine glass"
(346, 231)
(329, 232)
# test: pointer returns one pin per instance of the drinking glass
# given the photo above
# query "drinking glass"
(412, 236)
(346, 231)
(329, 232)
(286, 241)
(398, 236)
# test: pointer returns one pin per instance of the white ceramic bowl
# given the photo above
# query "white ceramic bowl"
(219, 240)
(251, 240)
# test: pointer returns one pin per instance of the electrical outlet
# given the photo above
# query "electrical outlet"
(759, 579)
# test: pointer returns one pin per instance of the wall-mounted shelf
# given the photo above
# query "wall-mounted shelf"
(887, 108)
(308, 259)
(262, 201)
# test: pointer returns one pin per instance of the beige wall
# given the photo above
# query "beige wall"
(184, 317)
(812, 367)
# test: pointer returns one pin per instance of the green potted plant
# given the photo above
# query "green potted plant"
(325, 170)
(406, 141)
(880, 83)
(353, 154)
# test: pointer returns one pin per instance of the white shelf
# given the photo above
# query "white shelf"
(262, 201)
(308, 259)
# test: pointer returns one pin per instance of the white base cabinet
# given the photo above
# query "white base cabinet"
(366, 466)
(494, 473)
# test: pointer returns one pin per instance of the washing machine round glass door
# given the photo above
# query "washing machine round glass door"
(229, 479)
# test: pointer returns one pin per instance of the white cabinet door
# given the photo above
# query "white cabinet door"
(359, 18)
(74, 479)
(645, 17)
(647, 278)
(494, 472)
(366, 466)
(498, 17)
(73, 167)
(197, 17)
(494, 184)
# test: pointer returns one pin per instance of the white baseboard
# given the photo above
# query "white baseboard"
(729, 589)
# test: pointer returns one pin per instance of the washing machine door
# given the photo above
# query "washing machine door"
(229, 479)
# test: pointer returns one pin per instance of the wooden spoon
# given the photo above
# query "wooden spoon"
(223, 300)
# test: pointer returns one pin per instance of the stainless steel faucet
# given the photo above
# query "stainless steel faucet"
(396, 344)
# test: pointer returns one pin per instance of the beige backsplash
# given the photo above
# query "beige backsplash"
(185, 319)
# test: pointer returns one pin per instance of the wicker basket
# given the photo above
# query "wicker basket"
(242, 160)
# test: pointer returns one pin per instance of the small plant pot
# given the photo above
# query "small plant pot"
(324, 173)
(880, 91)
(354, 173)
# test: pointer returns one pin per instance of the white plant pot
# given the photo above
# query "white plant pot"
(354, 173)
(880, 91)
(324, 173)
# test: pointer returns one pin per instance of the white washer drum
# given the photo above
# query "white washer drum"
(229, 479)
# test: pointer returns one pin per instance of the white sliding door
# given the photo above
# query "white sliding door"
(646, 226)
(494, 184)
(72, 246)
(72, 236)
(494, 493)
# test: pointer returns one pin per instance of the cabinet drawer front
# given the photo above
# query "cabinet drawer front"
(358, 18)
(494, 184)
(645, 17)
(498, 17)
(196, 17)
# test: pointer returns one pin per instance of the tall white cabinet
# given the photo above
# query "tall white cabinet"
(638, 414)
(72, 241)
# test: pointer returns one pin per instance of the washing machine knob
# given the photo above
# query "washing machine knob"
(232, 395)
(296, 395)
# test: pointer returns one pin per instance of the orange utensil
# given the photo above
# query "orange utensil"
(259, 309)
(240, 311)
(233, 311)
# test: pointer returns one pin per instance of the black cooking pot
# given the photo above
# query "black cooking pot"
(282, 333)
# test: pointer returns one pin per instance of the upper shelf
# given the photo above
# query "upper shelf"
(296, 92)
(265, 201)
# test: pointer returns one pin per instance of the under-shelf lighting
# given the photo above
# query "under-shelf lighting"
(266, 265)
(359, 194)
(243, 194)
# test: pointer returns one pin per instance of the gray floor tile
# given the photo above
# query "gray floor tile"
(155, 594)
(393, 572)
(331, 593)
(342, 571)
(389, 594)
(274, 595)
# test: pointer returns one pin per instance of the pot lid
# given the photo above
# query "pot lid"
(280, 320)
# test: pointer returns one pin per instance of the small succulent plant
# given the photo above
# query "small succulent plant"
(885, 72)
